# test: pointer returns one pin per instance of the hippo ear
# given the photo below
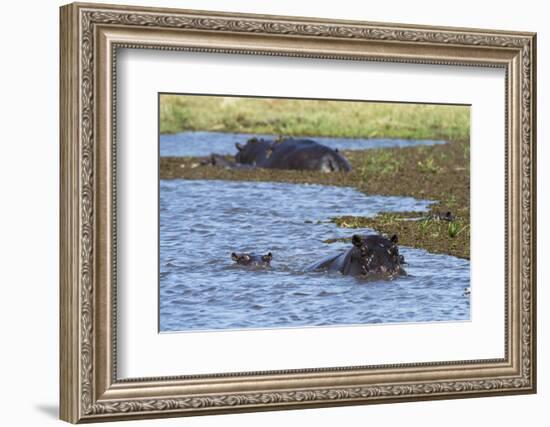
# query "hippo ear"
(234, 256)
(394, 239)
(239, 146)
(357, 240)
(268, 257)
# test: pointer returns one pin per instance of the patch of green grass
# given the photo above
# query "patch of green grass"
(380, 162)
(296, 117)
(450, 201)
(428, 166)
(455, 228)
(416, 231)
(423, 225)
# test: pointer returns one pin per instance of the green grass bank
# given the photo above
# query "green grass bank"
(290, 117)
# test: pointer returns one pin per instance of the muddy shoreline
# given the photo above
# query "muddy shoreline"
(440, 173)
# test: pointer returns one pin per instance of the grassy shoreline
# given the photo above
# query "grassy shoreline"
(298, 117)
(440, 173)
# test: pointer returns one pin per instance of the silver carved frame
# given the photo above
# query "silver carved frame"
(90, 36)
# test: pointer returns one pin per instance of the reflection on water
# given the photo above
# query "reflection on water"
(204, 143)
(201, 288)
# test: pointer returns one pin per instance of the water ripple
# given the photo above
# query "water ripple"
(201, 288)
(201, 143)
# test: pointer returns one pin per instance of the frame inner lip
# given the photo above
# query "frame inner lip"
(342, 370)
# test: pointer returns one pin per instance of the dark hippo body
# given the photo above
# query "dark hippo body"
(251, 259)
(371, 256)
(300, 154)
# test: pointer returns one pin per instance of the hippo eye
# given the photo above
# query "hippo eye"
(357, 240)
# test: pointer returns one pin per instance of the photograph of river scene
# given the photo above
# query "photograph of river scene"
(278, 213)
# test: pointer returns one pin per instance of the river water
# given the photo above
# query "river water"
(199, 144)
(201, 288)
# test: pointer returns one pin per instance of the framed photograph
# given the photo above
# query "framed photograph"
(267, 212)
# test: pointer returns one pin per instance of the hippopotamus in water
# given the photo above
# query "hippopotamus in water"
(251, 259)
(290, 153)
(371, 256)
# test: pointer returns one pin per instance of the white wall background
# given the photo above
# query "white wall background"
(29, 170)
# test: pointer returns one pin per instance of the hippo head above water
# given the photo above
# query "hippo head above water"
(371, 256)
(377, 255)
(252, 259)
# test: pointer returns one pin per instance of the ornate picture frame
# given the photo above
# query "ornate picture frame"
(90, 37)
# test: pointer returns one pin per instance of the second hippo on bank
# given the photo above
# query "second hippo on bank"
(289, 153)
(371, 256)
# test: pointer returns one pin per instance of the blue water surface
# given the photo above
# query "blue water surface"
(201, 288)
(198, 144)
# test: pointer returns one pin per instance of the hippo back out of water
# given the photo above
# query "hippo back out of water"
(301, 154)
(371, 256)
